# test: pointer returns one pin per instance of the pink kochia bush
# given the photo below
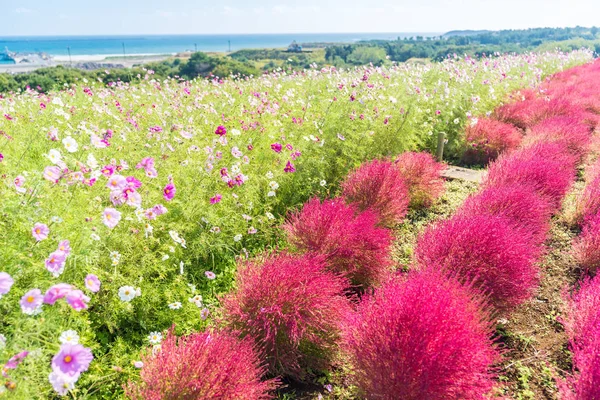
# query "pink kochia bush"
(582, 325)
(202, 366)
(547, 168)
(486, 250)
(527, 211)
(378, 186)
(487, 138)
(291, 307)
(588, 203)
(351, 242)
(422, 175)
(587, 246)
(421, 337)
(569, 131)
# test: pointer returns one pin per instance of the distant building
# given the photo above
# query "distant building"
(294, 48)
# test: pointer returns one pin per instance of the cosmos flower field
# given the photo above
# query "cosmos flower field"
(132, 214)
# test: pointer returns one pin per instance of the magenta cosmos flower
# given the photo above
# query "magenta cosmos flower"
(111, 217)
(169, 192)
(72, 359)
(92, 283)
(31, 302)
(216, 199)
(56, 262)
(221, 131)
(40, 231)
(276, 147)
(57, 292)
(15, 360)
(289, 167)
(77, 300)
(5, 283)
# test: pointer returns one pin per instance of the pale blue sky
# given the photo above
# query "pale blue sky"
(96, 17)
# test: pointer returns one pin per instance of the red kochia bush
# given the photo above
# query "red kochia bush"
(582, 324)
(587, 246)
(488, 138)
(547, 168)
(567, 130)
(486, 250)
(202, 366)
(526, 210)
(421, 337)
(588, 203)
(352, 243)
(422, 175)
(292, 307)
(380, 187)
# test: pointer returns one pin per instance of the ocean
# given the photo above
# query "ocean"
(169, 44)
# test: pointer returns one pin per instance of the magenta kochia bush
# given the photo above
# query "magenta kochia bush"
(487, 138)
(380, 187)
(525, 209)
(352, 243)
(486, 250)
(421, 337)
(422, 175)
(547, 168)
(588, 202)
(569, 131)
(587, 246)
(203, 366)
(581, 318)
(291, 307)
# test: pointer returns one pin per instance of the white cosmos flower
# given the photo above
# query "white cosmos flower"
(269, 175)
(237, 238)
(269, 215)
(323, 183)
(2, 341)
(197, 300)
(127, 293)
(54, 156)
(271, 194)
(175, 306)
(155, 338)
(69, 336)
(70, 144)
(274, 185)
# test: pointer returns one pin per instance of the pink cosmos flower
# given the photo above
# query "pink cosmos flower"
(65, 247)
(116, 182)
(133, 183)
(216, 199)
(40, 231)
(276, 147)
(117, 197)
(169, 192)
(108, 170)
(56, 262)
(72, 359)
(19, 180)
(52, 174)
(221, 131)
(77, 300)
(132, 198)
(147, 162)
(111, 217)
(5, 283)
(62, 383)
(57, 292)
(92, 283)
(159, 209)
(289, 167)
(210, 275)
(151, 173)
(31, 302)
(15, 360)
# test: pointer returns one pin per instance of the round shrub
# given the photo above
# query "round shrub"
(526, 210)
(488, 138)
(422, 174)
(351, 243)
(486, 250)
(546, 168)
(581, 319)
(378, 186)
(566, 130)
(202, 366)
(587, 246)
(291, 307)
(588, 202)
(421, 337)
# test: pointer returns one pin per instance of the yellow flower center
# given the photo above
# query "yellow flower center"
(30, 299)
(90, 282)
(68, 359)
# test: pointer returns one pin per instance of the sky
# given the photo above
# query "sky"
(120, 17)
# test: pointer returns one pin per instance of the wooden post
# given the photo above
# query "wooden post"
(440, 146)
